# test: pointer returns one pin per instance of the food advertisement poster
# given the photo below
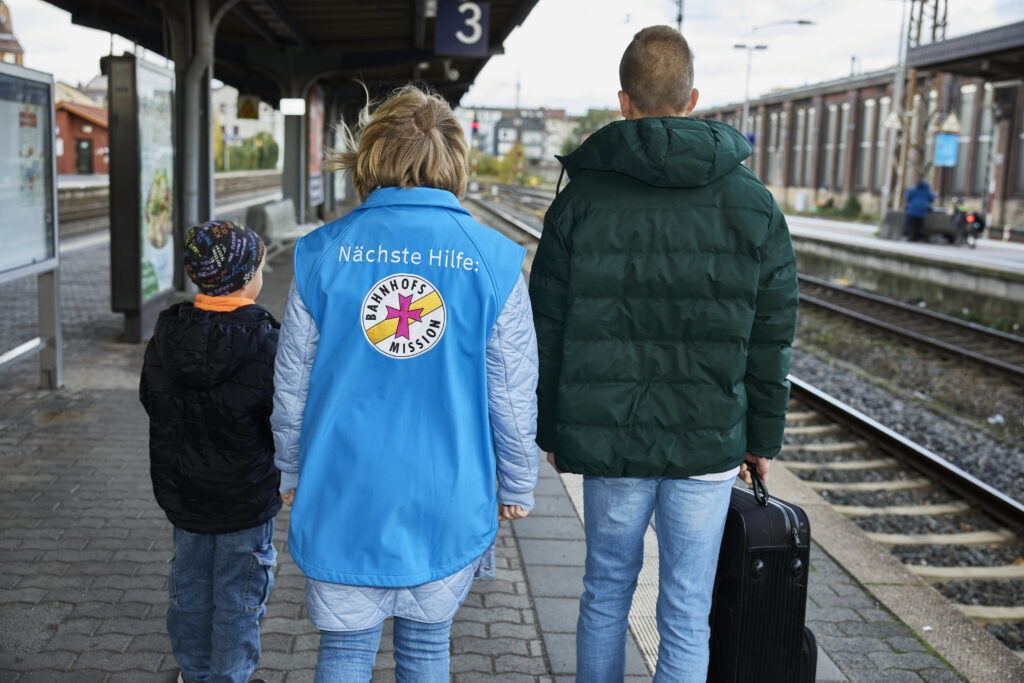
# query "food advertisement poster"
(316, 145)
(155, 87)
(26, 173)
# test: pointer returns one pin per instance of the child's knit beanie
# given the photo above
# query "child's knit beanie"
(221, 257)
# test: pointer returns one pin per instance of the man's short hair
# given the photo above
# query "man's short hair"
(411, 140)
(656, 71)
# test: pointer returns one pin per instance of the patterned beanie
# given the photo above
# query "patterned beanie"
(222, 257)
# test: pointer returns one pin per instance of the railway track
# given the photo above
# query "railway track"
(949, 528)
(81, 209)
(991, 348)
(946, 526)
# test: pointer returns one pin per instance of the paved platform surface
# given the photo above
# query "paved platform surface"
(84, 548)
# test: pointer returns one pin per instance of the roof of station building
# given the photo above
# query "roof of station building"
(97, 115)
(382, 42)
(995, 54)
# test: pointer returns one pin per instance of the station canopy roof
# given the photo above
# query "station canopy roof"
(261, 44)
(995, 55)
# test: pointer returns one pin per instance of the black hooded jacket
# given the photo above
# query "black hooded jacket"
(208, 387)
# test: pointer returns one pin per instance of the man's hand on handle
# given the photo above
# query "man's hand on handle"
(753, 461)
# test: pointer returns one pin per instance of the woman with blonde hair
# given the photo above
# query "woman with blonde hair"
(405, 384)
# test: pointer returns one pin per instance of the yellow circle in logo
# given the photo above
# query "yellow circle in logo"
(403, 316)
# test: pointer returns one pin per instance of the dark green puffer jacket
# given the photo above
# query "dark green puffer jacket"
(664, 294)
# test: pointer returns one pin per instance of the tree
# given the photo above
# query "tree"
(587, 124)
(218, 144)
(512, 167)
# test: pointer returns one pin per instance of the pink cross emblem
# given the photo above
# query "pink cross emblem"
(404, 314)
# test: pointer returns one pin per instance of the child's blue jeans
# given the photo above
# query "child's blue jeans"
(421, 653)
(219, 584)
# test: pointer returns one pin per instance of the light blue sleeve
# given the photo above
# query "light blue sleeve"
(512, 398)
(296, 350)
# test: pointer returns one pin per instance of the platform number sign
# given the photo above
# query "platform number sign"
(462, 28)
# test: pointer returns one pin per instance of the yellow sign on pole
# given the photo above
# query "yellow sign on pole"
(248, 107)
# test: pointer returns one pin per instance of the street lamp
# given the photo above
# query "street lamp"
(744, 126)
(750, 52)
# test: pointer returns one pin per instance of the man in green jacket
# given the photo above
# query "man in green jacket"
(664, 295)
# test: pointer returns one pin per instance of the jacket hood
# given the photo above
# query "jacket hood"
(201, 349)
(664, 152)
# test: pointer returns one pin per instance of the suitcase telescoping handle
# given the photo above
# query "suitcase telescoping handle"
(759, 487)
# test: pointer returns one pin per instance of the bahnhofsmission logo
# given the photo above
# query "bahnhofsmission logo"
(403, 315)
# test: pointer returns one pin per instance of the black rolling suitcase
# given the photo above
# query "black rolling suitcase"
(757, 614)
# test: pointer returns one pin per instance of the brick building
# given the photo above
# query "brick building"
(10, 48)
(829, 140)
(82, 145)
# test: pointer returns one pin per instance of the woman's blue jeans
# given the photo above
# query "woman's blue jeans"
(421, 653)
(219, 584)
(690, 519)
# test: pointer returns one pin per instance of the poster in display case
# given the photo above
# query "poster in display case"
(142, 245)
(28, 209)
(27, 193)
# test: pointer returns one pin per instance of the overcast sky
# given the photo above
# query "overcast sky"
(566, 53)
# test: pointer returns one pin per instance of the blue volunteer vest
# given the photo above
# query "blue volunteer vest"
(396, 461)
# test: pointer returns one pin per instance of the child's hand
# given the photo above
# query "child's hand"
(289, 497)
(507, 512)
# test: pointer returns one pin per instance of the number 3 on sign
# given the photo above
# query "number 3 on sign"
(472, 22)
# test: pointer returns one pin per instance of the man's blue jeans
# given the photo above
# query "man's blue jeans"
(421, 653)
(690, 519)
(219, 584)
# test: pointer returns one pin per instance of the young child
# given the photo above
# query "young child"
(208, 385)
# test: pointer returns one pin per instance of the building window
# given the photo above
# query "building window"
(830, 145)
(878, 176)
(965, 112)
(797, 176)
(844, 124)
(773, 138)
(1018, 183)
(809, 157)
(984, 146)
(780, 151)
(867, 139)
(753, 160)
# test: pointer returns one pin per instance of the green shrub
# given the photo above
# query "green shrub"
(851, 207)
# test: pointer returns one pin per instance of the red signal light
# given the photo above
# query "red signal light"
(970, 218)
(476, 125)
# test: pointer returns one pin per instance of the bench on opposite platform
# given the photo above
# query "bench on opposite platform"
(275, 223)
(937, 223)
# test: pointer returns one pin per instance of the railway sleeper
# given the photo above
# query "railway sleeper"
(897, 485)
(1000, 537)
(878, 464)
(903, 510)
(992, 615)
(834, 447)
(930, 574)
(815, 430)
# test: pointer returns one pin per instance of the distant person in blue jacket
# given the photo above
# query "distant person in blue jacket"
(406, 383)
(919, 202)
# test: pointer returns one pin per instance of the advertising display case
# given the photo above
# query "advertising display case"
(28, 206)
(27, 193)
(143, 252)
